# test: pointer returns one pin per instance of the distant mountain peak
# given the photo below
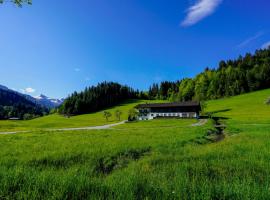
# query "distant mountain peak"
(3, 87)
(48, 102)
(42, 99)
(41, 96)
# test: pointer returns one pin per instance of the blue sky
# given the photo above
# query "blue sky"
(57, 47)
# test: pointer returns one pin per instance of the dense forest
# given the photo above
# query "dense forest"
(98, 97)
(13, 105)
(232, 77)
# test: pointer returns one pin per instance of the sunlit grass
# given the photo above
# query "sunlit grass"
(160, 159)
(59, 121)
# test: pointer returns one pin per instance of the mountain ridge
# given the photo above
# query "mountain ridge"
(41, 100)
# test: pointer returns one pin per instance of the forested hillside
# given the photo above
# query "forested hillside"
(232, 77)
(98, 97)
(15, 105)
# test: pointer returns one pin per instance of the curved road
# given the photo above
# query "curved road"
(107, 126)
(89, 128)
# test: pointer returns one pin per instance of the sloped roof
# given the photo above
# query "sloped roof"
(170, 105)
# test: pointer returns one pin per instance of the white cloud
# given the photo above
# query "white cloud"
(266, 45)
(77, 69)
(251, 39)
(28, 90)
(200, 10)
(87, 79)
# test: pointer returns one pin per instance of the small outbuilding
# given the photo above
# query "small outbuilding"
(169, 110)
(14, 118)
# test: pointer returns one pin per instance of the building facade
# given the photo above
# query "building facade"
(168, 110)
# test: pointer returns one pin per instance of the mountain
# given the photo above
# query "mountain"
(15, 105)
(48, 102)
(3, 87)
(41, 100)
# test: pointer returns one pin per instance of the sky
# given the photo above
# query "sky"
(57, 47)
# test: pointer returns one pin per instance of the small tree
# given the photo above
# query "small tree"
(27, 116)
(203, 106)
(132, 114)
(268, 101)
(118, 114)
(107, 115)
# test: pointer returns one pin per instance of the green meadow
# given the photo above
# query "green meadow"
(159, 159)
(59, 121)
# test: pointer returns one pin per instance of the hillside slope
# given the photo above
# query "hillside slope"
(60, 121)
(160, 159)
(247, 108)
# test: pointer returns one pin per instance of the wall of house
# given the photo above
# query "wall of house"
(153, 115)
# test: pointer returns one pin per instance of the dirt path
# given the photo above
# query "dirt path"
(200, 123)
(13, 132)
(107, 126)
(89, 128)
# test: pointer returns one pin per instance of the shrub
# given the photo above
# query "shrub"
(107, 115)
(268, 101)
(118, 114)
(27, 116)
(132, 114)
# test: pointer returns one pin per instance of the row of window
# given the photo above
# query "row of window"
(171, 115)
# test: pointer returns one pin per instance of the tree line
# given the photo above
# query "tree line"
(232, 77)
(95, 98)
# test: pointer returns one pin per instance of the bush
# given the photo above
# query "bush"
(107, 115)
(118, 114)
(27, 116)
(132, 114)
(268, 101)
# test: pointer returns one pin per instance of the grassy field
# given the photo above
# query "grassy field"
(59, 121)
(247, 109)
(160, 159)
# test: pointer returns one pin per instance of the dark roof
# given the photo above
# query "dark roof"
(169, 105)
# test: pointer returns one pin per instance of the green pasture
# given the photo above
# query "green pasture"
(160, 159)
(60, 121)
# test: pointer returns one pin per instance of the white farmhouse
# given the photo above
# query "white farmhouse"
(168, 110)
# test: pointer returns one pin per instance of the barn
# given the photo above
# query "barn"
(169, 110)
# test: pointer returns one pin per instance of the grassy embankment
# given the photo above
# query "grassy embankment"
(162, 159)
(59, 121)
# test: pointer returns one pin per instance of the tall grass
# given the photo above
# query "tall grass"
(162, 159)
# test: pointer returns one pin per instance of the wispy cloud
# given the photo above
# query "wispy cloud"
(28, 90)
(200, 10)
(87, 79)
(266, 45)
(77, 69)
(250, 39)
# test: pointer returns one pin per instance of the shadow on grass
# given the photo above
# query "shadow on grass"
(219, 111)
(108, 164)
(58, 162)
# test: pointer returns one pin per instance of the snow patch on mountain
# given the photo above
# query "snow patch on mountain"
(42, 99)
(48, 102)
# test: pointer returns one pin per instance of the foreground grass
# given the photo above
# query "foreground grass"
(161, 159)
(92, 164)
